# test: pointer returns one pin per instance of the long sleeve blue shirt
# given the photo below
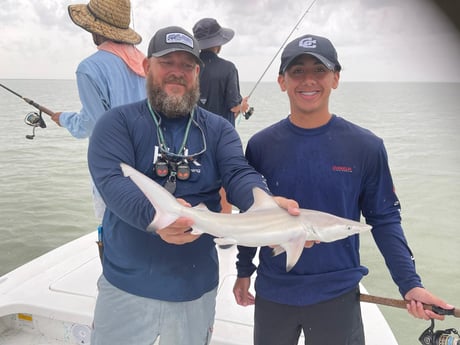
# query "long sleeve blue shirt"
(342, 169)
(104, 81)
(138, 261)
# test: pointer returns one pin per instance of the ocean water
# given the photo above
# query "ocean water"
(45, 195)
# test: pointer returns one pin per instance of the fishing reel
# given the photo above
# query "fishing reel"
(448, 336)
(249, 113)
(35, 120)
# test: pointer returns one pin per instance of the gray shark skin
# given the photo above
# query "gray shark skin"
(264, 224)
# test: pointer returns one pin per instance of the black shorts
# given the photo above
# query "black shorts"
(334, 322)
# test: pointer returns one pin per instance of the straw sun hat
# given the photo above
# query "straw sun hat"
(108, 18)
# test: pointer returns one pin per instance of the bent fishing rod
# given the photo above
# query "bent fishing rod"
(248, 114)
(32, 119)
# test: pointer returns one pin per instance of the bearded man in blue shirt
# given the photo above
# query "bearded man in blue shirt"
(164, 283)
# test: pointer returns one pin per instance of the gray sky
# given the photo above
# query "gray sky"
(377, 40)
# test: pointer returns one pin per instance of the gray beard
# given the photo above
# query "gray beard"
(172, 106)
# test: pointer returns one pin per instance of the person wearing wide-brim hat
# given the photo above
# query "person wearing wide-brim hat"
(107, 18)
(110, 77)
(219, 80)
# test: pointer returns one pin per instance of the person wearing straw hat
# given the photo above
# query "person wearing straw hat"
(110, 77)
(113, 75)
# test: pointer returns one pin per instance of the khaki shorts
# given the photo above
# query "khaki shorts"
(121, 318)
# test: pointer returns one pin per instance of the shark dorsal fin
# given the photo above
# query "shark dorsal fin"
(262, 201)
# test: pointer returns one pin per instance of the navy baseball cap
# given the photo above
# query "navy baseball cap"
(317, 46)
(172, 39)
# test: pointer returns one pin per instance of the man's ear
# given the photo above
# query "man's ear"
(282, 82)
(336, 80)
(146, 65)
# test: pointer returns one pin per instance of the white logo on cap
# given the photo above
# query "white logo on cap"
(178, 37)
(308, 43)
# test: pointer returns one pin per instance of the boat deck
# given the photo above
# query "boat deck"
(50, 301)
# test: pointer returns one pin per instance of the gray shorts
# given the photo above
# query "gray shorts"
(122, 318)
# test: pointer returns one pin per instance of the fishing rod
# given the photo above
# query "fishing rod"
(248, 114)
(391, 302)
(31, 102)
(429, 336)
(32, 119)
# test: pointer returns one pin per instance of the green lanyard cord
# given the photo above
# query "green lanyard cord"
(160, 135)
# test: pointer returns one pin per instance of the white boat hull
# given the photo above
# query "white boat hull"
(50, 301)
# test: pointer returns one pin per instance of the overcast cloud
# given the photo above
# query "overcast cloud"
(377, 40)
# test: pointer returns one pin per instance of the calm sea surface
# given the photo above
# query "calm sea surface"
(45, 199)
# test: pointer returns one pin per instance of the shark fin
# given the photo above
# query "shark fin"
(294, 249)
(161, 220)
(278, 250)
(222, 241)
(262, 200)
(196, 231)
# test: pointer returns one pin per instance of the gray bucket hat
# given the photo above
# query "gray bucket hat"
(209, 33)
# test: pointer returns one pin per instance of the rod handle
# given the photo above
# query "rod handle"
(391, 302)
(38, 106)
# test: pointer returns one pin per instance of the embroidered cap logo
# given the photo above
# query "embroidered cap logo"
(308, 43)
(177, 37)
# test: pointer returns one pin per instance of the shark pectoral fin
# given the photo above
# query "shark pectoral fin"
(278, 250)
(262, 201)
(151, 228)
(196, 231)
(222, 241)
(161, 220)
(294, 249)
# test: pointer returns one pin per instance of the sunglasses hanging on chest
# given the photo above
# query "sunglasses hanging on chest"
(174, 166)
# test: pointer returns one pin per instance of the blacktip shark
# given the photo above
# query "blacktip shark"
(264, 224)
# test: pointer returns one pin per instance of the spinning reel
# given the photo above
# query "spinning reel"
(32, 119)
(249, 113)
(35, 120)
(448, 336)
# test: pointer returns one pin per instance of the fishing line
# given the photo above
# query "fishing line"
(281, 47)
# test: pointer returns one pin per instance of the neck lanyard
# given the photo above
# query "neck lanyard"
(173, 165)
(161, 140)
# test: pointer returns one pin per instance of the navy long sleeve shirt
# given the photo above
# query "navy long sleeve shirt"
(219, 85)
(342, 169)
(138, 261)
